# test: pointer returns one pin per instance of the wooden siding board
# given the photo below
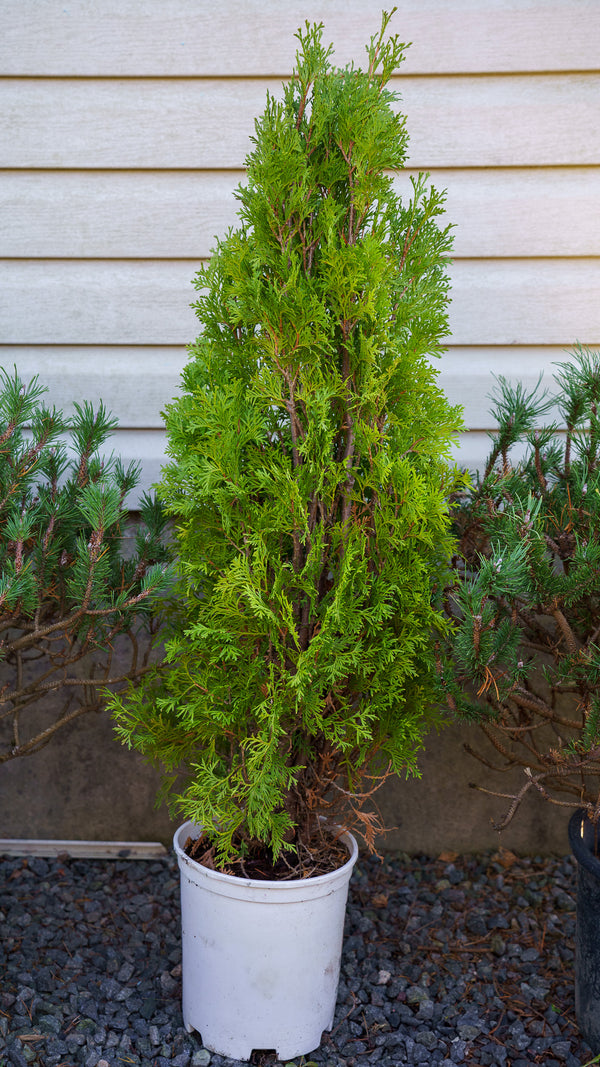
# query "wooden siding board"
(516, 302)
(97, 302)
(146, 447)
(487, 121)
(111, 103)
(501, 302)
(471, 450)
(136, 383)
(174, 37)
(74, 214)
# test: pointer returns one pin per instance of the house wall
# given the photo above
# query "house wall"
(124, 126)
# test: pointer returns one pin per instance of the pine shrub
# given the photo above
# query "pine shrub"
(69, 590)
(309, 475)
(524, 661)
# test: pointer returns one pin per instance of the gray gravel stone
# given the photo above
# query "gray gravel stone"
(457, 1050)
(49, 1024)
(420, 1055)
(476, 924)
(427, 1038)
(468, 1031)
(17, 1057)
(426, 1009)
(416, 994)
(93, 948)
(201, 1058)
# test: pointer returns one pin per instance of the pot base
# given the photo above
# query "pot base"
(282, 1052)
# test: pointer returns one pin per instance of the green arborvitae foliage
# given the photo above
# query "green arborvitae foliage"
(70, 588)
(524, 661)
(310, 471)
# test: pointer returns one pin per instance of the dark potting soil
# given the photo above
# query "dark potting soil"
(451, 961)
(323, 857)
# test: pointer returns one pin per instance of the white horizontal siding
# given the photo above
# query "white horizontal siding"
(136, 383)
(487, 121)
(255, 37)
(511, 213)
(144, 447)
(525, 301)
(124, 129)
(98, 302)
(471, 451)
(65, 302)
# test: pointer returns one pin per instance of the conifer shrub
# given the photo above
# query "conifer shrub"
(70, 592)
(309, 475)
(524, 660)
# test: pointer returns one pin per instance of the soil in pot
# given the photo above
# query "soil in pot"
(257, 860)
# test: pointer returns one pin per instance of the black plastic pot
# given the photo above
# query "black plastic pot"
(584, 840)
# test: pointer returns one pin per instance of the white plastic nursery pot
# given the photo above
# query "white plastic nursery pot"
(261, 960)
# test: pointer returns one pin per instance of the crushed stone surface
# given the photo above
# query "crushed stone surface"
(448, 961)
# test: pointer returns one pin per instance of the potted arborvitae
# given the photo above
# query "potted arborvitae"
(308, 479)
(524, 661)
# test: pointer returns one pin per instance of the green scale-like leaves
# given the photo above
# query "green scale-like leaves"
(309, 470)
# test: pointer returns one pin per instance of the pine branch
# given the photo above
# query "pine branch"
(530, 534)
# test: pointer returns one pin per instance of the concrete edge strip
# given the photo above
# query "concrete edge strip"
(100, 850)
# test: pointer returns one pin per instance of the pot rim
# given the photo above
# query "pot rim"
(191, 827)
(581, 839)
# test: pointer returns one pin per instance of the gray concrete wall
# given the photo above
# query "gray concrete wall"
(440, 811)
(86, 785)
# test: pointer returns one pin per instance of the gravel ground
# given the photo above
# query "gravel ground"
(454, 960)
